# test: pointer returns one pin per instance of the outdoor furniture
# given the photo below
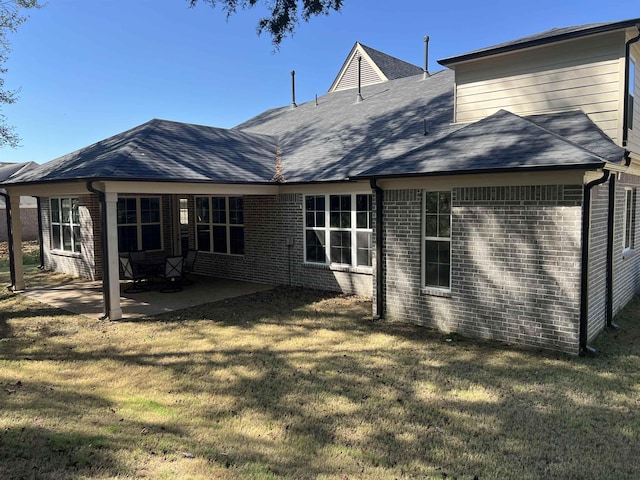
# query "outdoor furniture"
(131, 272)
(173, 271)
(188, 266)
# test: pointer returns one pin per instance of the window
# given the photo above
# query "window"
(631, 93)
(437, 240)
(629, 218)
(65, 224)
(220, 225)
(338, 229)
(139, 224)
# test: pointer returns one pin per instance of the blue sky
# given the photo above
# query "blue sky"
(88, 69)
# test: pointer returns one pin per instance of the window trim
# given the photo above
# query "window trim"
(139, 223)
(423, 236)
(227, 224)
(629, 219)
(327, 229)
(71, 224)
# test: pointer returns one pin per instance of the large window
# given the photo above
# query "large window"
(65, 224)
(220, 225)
(338, 229)
(629, 218)
(437, 240)
(139, 224)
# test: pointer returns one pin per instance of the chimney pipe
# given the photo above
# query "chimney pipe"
(293, 89)
(359, 99)
(426, 57)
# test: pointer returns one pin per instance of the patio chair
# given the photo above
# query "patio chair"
(188, 266)
(173, 272)
(131, 272)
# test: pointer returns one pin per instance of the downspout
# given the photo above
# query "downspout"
(625, 113)
(105, 240)
(610, 227)
(584, 349)
(40, 235)
(12, 260)
(379, 286)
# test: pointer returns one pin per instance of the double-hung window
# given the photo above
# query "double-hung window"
(629, 218)
(338, 229)
(437, 240)
(220, 225)
(139, 224)
(65, 224)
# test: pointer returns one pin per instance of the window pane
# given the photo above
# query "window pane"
(340, 211)
(150, 210)
(151, 237)
(341, 247)
(220, 239)
(444, 226)
(75, 211)
(363, 240)
(202, 210)
(431, 228)
(219, 210)
(315, 241)
(437, 263)
(236, 215)
(77, 240)
(127, 211)
(127, 238)
(55, 210)
(237, 240)
(66, 238)
(56, 233)
(204, 238)
(432, 202)
(65, 209)
(444, 202)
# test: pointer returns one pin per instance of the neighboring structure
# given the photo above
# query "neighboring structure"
(28, 204)
(496, 199)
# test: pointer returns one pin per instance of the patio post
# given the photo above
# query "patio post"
(113, 310)
(16, 230)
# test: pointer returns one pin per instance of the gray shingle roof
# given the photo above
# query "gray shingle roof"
(161, 150)
(339, 138)
(500, 142)
(393, 68)
(549, 36)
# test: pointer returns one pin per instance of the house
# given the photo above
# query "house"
(496, 198)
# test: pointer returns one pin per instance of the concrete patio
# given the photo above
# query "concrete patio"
(85, 297)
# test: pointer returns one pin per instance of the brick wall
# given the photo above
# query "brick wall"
(597, 316)
(515, 264)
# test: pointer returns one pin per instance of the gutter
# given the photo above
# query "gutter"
(583, 348)
(625, 113)
(105, 240)
(379, 286)
(12, 260)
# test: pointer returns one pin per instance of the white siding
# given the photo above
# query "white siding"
(584, 73)
(350, 77)
(634, 135)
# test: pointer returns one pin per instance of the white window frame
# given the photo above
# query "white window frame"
(139, 224)
(227, 224)
(327, 229)
(71, 224)
(629, 220)
(426, 238)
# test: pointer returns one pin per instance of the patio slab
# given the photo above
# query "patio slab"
(85, 297)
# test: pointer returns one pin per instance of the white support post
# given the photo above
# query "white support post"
(16, 228)
(113, 310)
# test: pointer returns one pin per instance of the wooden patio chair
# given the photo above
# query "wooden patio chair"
(173, 271)
(130, 272)
(188, 266)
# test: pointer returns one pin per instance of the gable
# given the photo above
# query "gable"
(376, 67)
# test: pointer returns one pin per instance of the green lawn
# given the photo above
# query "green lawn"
(301, 384)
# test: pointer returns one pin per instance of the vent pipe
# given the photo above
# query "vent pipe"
(426, 57)
(359, 99)
(293, 89)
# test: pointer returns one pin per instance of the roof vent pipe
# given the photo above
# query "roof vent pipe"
(359, 99)
(426, 57)
(293, 89)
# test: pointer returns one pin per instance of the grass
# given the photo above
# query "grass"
(300, 384)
